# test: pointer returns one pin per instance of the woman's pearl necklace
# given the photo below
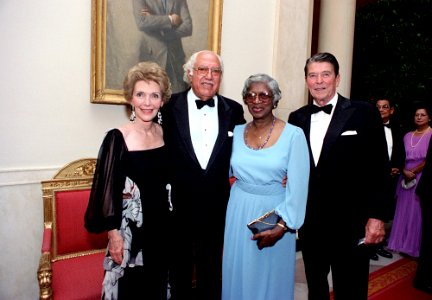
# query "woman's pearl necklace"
(422, 135)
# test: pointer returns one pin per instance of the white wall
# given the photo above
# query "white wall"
(47, 120)
(247, 42)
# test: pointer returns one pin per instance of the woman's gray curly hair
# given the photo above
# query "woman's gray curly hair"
(266, 79)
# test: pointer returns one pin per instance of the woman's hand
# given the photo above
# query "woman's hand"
(115, 246)
(409, 175)
(269, 237)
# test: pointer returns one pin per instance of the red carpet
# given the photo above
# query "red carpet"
(394, 282)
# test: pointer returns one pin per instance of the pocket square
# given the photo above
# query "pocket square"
(230, 133)
(349, 132)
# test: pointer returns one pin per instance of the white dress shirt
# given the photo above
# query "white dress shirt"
(204, 128)
(389, 139)
(319, 124)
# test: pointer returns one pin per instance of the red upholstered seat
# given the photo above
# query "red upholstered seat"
(72, 280)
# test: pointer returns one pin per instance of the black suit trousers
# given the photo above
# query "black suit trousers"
(202, 257)
(349, 266)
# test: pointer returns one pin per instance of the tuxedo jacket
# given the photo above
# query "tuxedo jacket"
(200, 196)
(346, 186)
(397, 159)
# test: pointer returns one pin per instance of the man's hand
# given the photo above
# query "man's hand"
(395, 172)
(145, 11)
(176, 20)
(374, 231)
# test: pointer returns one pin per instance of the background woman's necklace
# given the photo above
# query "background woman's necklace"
(265, 141)
(412, 135)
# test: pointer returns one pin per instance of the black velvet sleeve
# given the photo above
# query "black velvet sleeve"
(104, 210)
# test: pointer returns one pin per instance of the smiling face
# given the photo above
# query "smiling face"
(147, 99)
(260, 106)
(322, 81)
(205, 86)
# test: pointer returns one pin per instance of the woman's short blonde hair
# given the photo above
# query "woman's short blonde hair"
(147, 71)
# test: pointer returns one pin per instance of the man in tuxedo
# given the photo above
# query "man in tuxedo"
(396, 160)
(423, 277)
(163, 23)
(198, 129)
(346, 207)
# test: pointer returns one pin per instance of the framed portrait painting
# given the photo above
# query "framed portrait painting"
(164, 31)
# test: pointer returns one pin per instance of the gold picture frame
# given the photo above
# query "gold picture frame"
(114, 42)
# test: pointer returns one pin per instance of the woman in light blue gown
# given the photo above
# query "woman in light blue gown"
(265, 151)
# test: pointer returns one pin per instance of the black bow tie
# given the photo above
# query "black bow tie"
(326, 108)
(200, 103)
(387, 125)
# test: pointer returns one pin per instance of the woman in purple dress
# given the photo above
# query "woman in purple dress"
(405, 236)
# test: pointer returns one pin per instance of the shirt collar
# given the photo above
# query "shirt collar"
(191, 97)
(333, 101)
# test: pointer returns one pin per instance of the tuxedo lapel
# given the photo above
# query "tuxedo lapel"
(304, 120)
(182, 123)
(395, 138)
(305, 123)
(224, 116)
(341, 115)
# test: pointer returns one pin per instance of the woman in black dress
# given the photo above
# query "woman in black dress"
(131, 192)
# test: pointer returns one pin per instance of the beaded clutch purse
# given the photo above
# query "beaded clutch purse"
(266, 222)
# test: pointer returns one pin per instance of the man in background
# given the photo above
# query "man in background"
(396, 160)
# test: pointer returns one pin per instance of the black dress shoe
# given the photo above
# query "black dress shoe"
(384, 253)
(423, 286)
(373, 256)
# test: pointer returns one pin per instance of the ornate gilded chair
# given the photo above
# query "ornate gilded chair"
(71, 264)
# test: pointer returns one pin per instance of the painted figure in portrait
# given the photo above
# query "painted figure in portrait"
(163, 24)
(162, 31)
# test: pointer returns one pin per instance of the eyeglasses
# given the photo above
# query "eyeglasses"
(385, 106)
(203, 71)
(263, 97)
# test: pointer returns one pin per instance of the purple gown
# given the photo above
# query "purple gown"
(406, 232)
